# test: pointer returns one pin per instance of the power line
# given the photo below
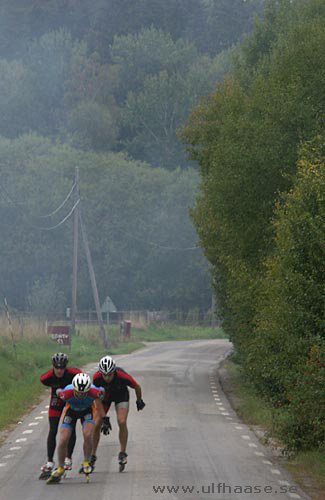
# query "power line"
(60, 206)
(40, 227)
(61, 222)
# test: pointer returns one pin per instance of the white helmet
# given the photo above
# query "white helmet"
(81, 382)
(106, 365)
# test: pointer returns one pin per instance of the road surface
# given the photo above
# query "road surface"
(186, 444)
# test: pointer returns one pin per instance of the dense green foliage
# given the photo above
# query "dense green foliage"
(287, 354)
(269, 277)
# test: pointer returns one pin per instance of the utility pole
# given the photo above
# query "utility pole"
(75, 254)
(93, 281)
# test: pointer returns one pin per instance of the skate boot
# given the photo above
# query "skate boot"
(56, 476)
(92, 462)
(122, 460)
(67, 464)
(46, 470)
(86, 469)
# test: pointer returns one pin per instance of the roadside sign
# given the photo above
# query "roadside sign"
(60, 333)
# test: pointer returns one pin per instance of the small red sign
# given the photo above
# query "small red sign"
(60, 333)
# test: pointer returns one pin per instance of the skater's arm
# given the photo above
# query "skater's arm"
(100, 409)
(138, 391)
(139, 402)
(47, 378)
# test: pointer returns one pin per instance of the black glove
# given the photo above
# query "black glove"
(140, 404)
(106, 426)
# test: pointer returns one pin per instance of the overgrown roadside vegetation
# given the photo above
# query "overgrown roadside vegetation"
(20, 368)
(259, 140)
(307, 468)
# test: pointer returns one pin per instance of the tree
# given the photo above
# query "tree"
(16, 98)
(45, 298)
(289, 339)
(152, 116)
(147, 54)
(245, 138)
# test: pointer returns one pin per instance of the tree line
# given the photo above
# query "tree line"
(137, 223)
(112, 75)
(104, 85)
(259, 141)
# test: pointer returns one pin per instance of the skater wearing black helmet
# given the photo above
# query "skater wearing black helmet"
(59, 376)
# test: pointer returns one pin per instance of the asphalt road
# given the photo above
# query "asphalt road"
(186, 444)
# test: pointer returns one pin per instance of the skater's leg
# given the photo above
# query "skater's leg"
(88, 432)
(122, 415)
(71, 443)
(63, 444)
(51, 438)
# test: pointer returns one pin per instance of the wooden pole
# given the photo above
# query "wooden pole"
(93, 282)
(75, 255)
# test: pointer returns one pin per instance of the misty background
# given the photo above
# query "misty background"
(105, 85)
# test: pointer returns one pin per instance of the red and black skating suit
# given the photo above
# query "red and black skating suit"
(56, 407)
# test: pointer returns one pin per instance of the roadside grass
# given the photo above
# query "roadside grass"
(20, 372)
(249, 405)
(155, 333)
(308, 467)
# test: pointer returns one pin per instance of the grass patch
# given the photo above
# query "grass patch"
(249, 405)
(176, 332)
(20, 372)
(307, 468)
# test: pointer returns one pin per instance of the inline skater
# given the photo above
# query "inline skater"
(115, 381)
(79, 396)
(59, 376)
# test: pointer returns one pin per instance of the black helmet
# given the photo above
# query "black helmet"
(60, 360)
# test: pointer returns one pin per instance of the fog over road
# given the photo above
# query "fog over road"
(185, 443)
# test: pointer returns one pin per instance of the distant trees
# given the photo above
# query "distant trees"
(82, 72)
(137, 224)
(212, 25)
